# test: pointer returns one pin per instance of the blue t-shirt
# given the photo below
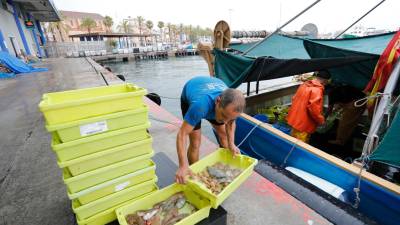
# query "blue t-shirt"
(200, 93)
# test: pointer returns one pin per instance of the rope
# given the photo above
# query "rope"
(248, 134)
(365, 154)
(357, 189)
(361, 102)
(290, 152)
(391, 105)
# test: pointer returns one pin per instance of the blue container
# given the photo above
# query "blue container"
(282, 127)
(261, 117)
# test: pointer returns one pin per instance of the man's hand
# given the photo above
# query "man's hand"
(181, 174)
(235, 150)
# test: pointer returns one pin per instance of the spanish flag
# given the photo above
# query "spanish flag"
(384, 68)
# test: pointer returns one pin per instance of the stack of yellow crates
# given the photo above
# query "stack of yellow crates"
(100, 138)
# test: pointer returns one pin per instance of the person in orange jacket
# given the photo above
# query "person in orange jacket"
(306, 112)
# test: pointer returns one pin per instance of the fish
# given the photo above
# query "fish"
(163, 213)
(180, 203)
(217, 176)
(215, 172)
(150, 214)
(176, 219)
(134, 219)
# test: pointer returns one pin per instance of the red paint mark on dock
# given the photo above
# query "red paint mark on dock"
(268, 190)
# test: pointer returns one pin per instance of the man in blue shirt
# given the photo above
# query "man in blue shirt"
(207, 98)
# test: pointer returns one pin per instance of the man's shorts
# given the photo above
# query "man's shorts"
(185, 107)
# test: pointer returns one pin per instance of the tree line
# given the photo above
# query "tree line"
(167, 32)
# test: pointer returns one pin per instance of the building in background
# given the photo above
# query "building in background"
(20, 25)
(71, 24)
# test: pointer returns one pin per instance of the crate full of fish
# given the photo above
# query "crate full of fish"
(67, 106)
(219, 174)
(175, 204)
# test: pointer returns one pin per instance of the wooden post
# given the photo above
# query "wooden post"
(205, 51)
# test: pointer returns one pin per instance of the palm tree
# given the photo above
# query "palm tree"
(59, 26)
(174, 31)
(108, 22)
(169, 25)
(140, 21)
(149, 25)
(190, 33)
(88, 23)
(161, 25)
(180, 32)
(125, 27)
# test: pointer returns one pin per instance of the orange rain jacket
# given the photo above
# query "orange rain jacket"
(305, 114)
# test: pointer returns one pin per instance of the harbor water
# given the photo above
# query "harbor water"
(168, 76)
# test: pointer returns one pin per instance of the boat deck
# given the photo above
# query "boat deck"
(31, 186)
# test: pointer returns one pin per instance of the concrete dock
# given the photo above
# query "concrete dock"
(31, 186)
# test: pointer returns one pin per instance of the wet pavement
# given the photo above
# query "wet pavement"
(31, 186)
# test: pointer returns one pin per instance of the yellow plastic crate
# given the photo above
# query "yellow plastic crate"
(108, 215)
(202, 204)
(95, 207)
(87, 127)
(95, 177)
(107, 157)
(118, 184)
(85, 146)
(225, 156)
(66, 106)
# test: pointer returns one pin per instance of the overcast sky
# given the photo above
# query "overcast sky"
(328, 15)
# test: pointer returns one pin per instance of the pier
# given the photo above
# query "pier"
(154, 55)
(132, 56)
(31, 186)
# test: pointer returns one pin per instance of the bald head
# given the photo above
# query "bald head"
(235, 97)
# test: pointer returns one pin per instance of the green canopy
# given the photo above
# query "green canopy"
(277, 46)
(350, 61)
(285, 47)
(374, 44)
(388, 150)
(232, 69)
(355, 74)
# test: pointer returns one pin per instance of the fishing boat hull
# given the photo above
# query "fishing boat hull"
(379, 199)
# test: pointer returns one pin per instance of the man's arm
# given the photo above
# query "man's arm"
(230, 134)
(183, 169)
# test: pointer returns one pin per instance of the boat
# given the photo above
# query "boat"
(278, 56)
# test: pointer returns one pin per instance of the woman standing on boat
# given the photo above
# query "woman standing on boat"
(206, 98)
(306, 112)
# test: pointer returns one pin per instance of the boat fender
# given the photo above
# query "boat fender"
(121, 77)
(154, 97)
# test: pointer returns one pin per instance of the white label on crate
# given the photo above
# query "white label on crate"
(93, 128)
(120, 187)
